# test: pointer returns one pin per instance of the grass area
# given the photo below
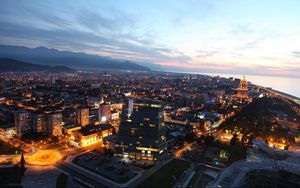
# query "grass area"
(61, 181)
(164, 176)
(7, 149)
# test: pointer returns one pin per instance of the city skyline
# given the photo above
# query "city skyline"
(241, 37)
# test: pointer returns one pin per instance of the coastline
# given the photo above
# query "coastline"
(285, 95)
(284, 86)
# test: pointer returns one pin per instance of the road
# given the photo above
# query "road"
(178, 153)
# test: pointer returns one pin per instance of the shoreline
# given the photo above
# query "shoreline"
(223, 75)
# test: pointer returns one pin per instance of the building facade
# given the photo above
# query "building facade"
(82, 116)
(39, 122)
(91, 134)
(142, 133)
(23, 122)
(104, 112)
(55, 124)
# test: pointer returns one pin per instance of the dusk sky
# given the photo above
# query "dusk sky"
(224, 36)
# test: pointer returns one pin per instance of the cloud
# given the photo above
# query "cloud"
(296, 54)
(110, 24)
(124, 46)
(206, 54)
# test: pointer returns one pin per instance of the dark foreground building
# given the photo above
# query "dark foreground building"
(142, 133)
(265, 173)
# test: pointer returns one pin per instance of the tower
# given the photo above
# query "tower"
(242, 91)
(127, 108)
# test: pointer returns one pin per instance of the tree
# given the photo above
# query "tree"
(55, 139)
(234, 140)
(190, 137)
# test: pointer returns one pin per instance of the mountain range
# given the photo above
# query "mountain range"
(12, 65)
(74, 60)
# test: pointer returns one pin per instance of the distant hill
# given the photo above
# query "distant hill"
(12, 65)
(79, 61)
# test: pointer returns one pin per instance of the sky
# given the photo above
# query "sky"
(259, 37)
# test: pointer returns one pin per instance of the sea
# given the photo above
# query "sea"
(284, 84)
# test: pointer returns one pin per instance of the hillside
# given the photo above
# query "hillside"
(79, 61)
(12, 65)
(265, 116)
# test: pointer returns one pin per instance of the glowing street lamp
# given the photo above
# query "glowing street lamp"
(103, 119)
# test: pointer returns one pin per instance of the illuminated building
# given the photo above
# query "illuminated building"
(23, 122)
(71, 128)
(128, 107)
(115, 115)
(93, 102)
(94, 116)
(82, 116)
(7, 131)
(142, 132)
(104, 112)
(90, 134)
(242, 91)
(54, 124)
(39, 123)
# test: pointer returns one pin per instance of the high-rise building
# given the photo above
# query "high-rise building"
(55, 124)
(39, 122)
(128, 107)
(82, 116)
(142, 134)
(242, 91)
(23, 122)
(94, 116)
(104, 112)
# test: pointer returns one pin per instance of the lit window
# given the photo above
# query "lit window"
(155, 105)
